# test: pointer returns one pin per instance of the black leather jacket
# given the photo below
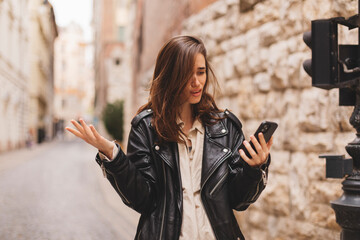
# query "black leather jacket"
(148, 179)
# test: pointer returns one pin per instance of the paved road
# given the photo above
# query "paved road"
(56, 191)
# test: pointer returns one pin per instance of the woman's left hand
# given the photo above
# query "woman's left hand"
(261, 154)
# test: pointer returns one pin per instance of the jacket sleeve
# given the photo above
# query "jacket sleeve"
(245, 182)
(132, 175)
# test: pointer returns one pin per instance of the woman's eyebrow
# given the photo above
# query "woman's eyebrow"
(201, 68)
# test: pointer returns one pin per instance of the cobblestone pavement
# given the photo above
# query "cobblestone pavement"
(56, 191)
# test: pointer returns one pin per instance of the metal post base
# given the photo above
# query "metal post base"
(349, 234)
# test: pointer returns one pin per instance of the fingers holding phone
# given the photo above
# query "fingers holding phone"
(256, 152)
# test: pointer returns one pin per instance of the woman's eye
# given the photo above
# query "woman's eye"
(200, 73)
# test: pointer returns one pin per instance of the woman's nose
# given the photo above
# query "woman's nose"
(195, 82)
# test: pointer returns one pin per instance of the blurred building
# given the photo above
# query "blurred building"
(128, 35)
(27, 30)
(42, 33)
(74, 83)
(112, 61)
(14, 73)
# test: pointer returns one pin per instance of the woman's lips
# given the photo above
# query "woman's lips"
(196, 93)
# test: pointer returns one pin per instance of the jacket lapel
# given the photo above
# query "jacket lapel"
(167, 153)
(214, 151)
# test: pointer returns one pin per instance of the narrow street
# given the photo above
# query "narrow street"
(56, 191)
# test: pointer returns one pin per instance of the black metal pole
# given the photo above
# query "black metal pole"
(347, 207)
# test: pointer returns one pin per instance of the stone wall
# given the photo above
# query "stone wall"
(257, 51)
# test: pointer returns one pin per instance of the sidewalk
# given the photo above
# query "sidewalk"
(13, 158)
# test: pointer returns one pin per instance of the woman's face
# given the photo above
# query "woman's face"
(194, 87)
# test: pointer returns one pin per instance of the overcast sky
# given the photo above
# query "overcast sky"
(79, 11)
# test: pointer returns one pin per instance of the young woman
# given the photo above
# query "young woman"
(183, 171)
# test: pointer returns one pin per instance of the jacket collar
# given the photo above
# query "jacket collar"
(216, 130)
(214, 150)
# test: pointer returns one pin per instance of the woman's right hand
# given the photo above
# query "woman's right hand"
(89, 134)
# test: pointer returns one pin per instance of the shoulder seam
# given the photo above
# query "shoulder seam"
(233, 118)
(136, 120)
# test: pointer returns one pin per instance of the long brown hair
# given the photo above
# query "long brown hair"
(173, 68)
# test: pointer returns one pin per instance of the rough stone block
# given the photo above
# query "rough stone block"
(316, 142)
(240, 62)
(266, 11)
(277, 52)
(232, 87)
(233, 43)
(298, 182)
(325, 191)
(316, 167)
(275, 199)
(219, 9)
(217, 64)
(279, 76)
(228, 67)
(311, 10)
(270, 33)
(246, 5)
(294, 66)
(345, 8)
(262, 82)
(322, 215)
(313, 110)
(280, 161)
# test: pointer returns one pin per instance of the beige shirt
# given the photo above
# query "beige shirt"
(195, 224)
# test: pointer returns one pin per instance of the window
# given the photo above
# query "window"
(117, 61)
(121, 34)
(63, 103)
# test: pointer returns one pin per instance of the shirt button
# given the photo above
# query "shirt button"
(223, 131)
(149, 110)
(227, 112)
(225, 150)
(157, 148)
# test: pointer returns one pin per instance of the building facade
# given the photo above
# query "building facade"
(28, 29)
(74, 83)
(112, 59)
(14, 73)
(42, 34)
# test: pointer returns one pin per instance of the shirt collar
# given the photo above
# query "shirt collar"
(196, 125)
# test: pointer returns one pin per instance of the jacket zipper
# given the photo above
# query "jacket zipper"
(163, 213)
(263, 178)
(139, 235)
(212, 171)
(117, 186)
(219, 183)
(220, 160)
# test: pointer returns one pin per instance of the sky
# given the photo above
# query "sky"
(79, 11)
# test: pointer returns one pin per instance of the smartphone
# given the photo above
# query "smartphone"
(267, 128)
